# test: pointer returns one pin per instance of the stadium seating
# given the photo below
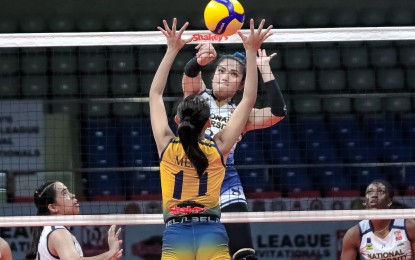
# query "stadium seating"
(34, 64)
(372, 17)
(117, 23)
(99, 148)
(297, 58)
(401, 17)
(329, 179)
(301, 81)
(330, 81)
(337, 105)
(317, 18)
(9, 87)
(407, 56)
(355, 57)
(65, 85)
(398, 104)
(326, 58)
(96, 110)
(280, 145)
(61, 23)
(350, 139)
(92, 62)
(382, 57)
(137, 144)
(63, 63)
(361, 80)
(32, 24)
(345, 17)
(35, 86)
(124, 85)
(294, 180)
(95, 85)
(315, 140)
(367, 105)
(387, 139)
(8, 24)
(9, 64)
(390, 79)
(127, 109)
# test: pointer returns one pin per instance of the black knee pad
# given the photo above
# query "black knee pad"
(236, 207)
(239, 234)
(245, 254)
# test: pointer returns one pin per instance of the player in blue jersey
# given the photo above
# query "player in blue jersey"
(380, 238)
(192, 164)
(228, 79)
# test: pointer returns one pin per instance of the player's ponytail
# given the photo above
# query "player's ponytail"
(43, 196)
(193, 113)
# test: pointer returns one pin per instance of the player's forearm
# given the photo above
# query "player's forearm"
(191, 86)
(251, 81)
(160, 78)
(266, 72)
(273, 98)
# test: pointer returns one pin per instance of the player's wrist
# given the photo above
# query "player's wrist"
(192, 68)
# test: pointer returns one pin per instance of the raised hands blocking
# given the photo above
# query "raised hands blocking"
(114, 243)
(174, 37)
(256, 37)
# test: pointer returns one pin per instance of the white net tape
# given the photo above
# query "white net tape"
(252, 217)
(156, 38)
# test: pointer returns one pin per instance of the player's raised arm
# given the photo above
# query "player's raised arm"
(192, 83)
(159, 124)
(230, 134)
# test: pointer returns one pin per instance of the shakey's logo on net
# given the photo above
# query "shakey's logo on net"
(208, 37)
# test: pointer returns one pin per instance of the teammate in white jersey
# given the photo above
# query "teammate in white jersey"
(382, 239)
(227, 80)
(57, 242)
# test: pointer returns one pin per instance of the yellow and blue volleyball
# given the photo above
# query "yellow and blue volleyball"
(224, 17)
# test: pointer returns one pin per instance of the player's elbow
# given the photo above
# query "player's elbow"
(280, 111)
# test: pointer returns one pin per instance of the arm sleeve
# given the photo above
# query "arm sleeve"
(272, 97)
(192, 68)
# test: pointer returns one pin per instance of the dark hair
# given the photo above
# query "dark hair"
(193, 113)
(237, 56)
(43, 196)
(387, 185)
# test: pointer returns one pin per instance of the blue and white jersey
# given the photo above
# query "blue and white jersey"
(43, 252)
(394, 246)
(219, 116)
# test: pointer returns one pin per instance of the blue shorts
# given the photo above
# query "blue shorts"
(189, 241)
(231, 190)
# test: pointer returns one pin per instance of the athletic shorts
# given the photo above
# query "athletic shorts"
(190, 241)
(231, 190)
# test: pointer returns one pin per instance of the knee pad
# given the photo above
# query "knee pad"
(236, 207)
(245, 254)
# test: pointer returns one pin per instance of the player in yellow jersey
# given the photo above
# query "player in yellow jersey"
(191, 164)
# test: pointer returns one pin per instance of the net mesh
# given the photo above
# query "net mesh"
(80, 114)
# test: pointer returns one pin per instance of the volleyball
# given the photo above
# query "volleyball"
(224, 17)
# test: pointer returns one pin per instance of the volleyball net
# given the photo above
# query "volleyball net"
(74, 108)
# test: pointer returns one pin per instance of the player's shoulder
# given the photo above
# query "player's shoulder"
(353, 232)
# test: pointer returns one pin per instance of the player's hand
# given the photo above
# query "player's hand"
(206, 53)
(263, 59)
(114, 243)
(174, 37)
(256, 37)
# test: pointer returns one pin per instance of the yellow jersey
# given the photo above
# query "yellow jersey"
(183, 191)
